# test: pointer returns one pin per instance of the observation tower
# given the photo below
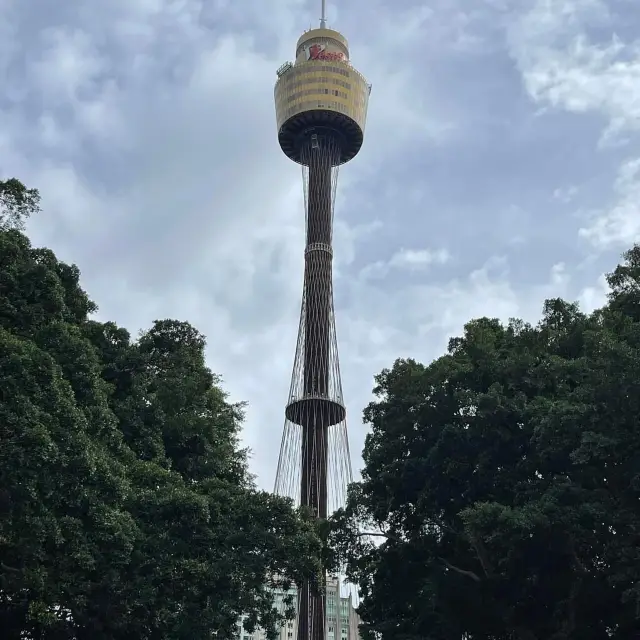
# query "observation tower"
(321, 108)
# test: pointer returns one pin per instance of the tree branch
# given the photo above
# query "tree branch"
(577, 563)
(4, 567)
(483, 555)
(569, 624)
(463, 572)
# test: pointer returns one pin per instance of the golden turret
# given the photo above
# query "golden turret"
(321, 90)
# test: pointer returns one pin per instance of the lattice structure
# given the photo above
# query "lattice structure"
(321, 106)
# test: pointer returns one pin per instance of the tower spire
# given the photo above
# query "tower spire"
(323, 15)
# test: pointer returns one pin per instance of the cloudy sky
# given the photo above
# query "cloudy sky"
(501, 166)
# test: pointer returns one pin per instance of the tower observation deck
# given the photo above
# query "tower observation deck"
(321, 108)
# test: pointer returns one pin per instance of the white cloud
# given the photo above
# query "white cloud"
(565, 194)
(620, 224)
(563, 67)
(594, 297)
(418, 259)
(410, 260)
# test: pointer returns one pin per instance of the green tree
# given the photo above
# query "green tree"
(502, 482)
(63, 476)
(212, 543)
(126, 505)
(17, 203)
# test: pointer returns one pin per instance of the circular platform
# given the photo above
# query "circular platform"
(295, 133)
(315, 411)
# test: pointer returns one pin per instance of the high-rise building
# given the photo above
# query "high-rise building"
(342, 621)
(321, 108)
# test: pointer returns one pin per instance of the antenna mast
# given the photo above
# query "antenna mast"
(323, 18)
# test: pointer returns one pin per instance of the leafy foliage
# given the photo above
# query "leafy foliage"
(504, 482)
(17, 203)
(126, 506)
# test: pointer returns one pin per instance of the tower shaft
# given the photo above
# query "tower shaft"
(318, 263)
(320, 155)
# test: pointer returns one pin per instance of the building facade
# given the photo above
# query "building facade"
(342, 621)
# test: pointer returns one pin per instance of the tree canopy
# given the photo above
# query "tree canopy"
(502, 482)
(126, 505)
(17, 204)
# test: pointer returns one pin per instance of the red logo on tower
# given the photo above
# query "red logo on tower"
(314, 51)
(317, 51)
